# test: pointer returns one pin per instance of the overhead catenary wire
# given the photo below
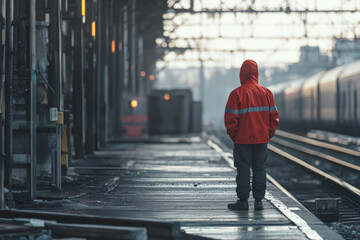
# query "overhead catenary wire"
(256, 10)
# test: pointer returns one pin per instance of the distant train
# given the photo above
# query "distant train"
(161, 112)
(328, 100)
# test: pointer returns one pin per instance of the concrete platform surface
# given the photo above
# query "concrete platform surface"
(184, 181)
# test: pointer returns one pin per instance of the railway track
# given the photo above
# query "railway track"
(339, 166)
(314, 153)
(296, 168)
(317, 143)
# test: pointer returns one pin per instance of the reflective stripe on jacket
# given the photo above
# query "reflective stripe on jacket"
(251, 115)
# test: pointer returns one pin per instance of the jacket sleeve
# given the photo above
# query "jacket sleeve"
(274, 117)
(232, 112)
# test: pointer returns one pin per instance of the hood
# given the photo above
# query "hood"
(249, 72)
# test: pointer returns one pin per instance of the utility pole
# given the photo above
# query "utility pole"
(78, 85)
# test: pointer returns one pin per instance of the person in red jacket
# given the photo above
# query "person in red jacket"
(251, 119)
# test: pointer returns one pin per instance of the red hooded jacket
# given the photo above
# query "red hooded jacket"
(251, 116)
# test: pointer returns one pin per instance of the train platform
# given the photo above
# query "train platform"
(186, 182)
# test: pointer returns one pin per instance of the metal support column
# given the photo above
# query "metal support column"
(134, 44)
(8, 92)
(33, 82)
(118, 66)
(2, 200)
(56, 99)
(121, 65)
(78, 94)
(202, 87)
(1, 114)
(90, 99)
(202, 82)
(128, 53)
(89, 80)
(98, 75)
(105, 76)
(60, 99)
(112, 70)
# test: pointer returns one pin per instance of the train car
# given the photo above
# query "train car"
(309, 99)
(328, 100)
(349, 88)
(169, 111)
(134, 116)
(328, 95)
(292, 97)
(279, 96)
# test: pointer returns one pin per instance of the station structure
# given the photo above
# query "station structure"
(71, 70)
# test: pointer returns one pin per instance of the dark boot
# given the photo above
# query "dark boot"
(258, 205)
(239, 205)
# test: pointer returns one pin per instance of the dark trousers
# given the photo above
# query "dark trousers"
(254, 156)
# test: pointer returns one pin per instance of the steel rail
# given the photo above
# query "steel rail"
(316, 154)
(346, 186)
(239, 38)
(279, 186)
(317, 143)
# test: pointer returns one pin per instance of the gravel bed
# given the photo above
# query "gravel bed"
(348, 232)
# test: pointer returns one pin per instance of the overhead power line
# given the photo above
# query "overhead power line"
(255, 11)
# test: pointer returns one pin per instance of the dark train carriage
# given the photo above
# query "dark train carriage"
(293, 105)
(173, 112)
(328, 96)
(349, 88)
(328, 100)
(279, 96)
(309, 99)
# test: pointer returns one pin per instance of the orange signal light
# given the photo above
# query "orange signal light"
(83, 8)
(134, 103)
(166, 97)
(143, 73)
(113, 46)
(93, 28)
(152, 77)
